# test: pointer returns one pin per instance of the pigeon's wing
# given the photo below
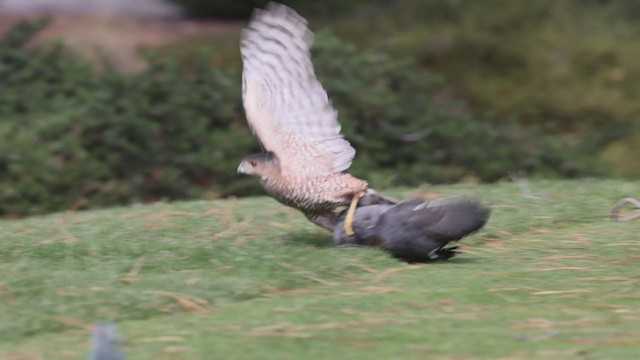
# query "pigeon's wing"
(286, 106)
(446, 221)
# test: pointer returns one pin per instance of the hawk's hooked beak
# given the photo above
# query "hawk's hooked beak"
(245, 168)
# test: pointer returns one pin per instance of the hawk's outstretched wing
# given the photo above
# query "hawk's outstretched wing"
(286, 106)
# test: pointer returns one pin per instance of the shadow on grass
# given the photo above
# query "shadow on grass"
(320, 240)
(313, 239)
(460, 259)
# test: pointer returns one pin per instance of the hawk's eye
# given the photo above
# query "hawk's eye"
(254, 163)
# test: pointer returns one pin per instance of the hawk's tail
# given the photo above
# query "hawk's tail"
(452, 220)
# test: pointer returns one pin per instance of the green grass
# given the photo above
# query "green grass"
(546, 278)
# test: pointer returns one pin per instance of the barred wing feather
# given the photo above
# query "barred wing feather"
(286, 106)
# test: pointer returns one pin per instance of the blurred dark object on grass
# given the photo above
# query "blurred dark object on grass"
(106, 344)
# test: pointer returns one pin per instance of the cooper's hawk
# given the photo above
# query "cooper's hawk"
(412, 230)
(305, 160)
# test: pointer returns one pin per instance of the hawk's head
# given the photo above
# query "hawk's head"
(262, 165)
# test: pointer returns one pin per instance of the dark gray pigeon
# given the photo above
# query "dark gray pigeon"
(412, 230)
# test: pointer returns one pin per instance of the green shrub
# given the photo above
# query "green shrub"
(71, 136)
(569, 67)
(406, 130)
(219, 9)
(234, 9)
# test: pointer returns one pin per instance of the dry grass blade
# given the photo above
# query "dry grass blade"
(303, 273)
(177, 349)
(306, 330)
(559, 292)
(188, 303)
(364, 267)
(281, 226)
(166, 338)
(283, 330)
(132, 275)
(565, 268)
(71, 322)
(384, 275)
(234, 228)
(371, 290)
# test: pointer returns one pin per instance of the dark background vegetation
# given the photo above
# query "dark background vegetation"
(427, 91)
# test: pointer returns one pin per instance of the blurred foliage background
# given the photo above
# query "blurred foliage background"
(427, 91)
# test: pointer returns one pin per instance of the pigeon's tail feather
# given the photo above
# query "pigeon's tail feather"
(415, 231)
(456, 219)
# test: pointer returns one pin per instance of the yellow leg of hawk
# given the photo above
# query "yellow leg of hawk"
(348, 220)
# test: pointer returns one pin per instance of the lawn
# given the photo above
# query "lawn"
(550, 276)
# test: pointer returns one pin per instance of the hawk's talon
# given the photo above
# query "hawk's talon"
(348, 220)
